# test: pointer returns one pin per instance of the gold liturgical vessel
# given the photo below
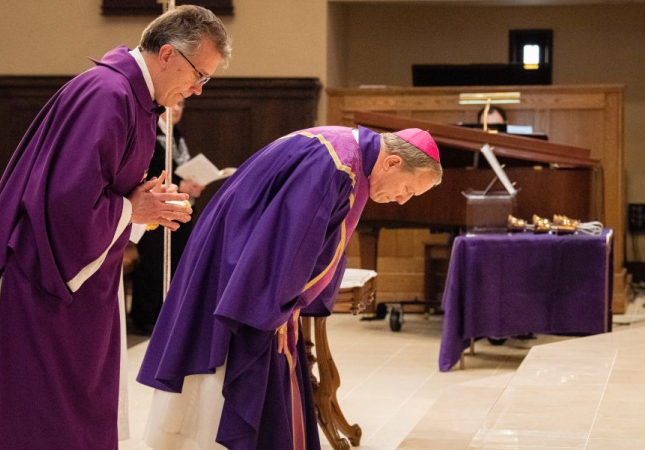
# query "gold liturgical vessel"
(559, 225)
(516, 224)
(540, 224)
(565, 225)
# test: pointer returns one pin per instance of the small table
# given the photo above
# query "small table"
(357, 290)
(513, 284)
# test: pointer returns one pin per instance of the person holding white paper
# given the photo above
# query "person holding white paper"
(147, 278)
(200, 170)
(180, 153)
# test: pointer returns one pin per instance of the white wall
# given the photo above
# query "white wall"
(277, 38)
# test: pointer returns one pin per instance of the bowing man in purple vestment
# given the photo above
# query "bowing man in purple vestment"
(68, 197)
(226, 356)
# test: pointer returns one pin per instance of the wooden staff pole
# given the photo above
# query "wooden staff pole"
(168, 5)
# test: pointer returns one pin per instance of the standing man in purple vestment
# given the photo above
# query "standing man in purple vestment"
(269, 246)
(68, 197)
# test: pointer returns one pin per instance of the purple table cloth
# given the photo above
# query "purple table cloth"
(512, 284)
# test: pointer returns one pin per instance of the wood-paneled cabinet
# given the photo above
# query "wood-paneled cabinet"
(231, 120)
(589, 116)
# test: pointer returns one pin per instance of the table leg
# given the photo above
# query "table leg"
(462, 358)
(330, 417)
(368, 247)
(309, 345)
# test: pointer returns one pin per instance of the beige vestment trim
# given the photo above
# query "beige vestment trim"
(75, 283)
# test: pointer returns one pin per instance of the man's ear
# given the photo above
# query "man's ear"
(165, 52)
(392, 161)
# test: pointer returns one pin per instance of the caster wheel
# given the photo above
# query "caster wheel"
(497, 341)
(396, 319)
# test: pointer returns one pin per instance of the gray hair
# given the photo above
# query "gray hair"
(413, 158)
(184, 28)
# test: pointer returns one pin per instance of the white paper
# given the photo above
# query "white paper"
(200, 170)
(492, 160)
(356, 278)
(519, 129)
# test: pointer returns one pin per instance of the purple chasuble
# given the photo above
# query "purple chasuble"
(62, 202)
(270, 241)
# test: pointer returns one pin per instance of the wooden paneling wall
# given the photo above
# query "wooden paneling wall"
(232, 119)
(20, 100)
(589, 116)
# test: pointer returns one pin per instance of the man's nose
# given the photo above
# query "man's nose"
(196, 89)
(401, 199)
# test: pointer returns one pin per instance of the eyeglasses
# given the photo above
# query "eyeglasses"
(201, 79)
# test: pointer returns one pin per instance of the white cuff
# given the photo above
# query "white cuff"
(126, 214)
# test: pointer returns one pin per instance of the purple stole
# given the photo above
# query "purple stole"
(346, 153)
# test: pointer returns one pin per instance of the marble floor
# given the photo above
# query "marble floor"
(390, 385)
(580, 394)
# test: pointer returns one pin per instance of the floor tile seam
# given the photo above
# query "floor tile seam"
(593, 422)
(428, 378)
(357, 342)
(376, 369)
(483, 420)
(506, 358)
(496, 372)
